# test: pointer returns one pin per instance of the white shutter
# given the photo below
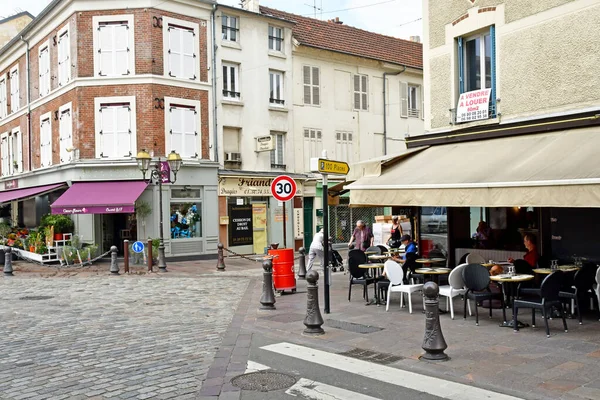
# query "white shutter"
(121, 49)
(20, 152)
(66, 136)
(176, 131)
(45, 143)
(422, 102)
(123, 132)
(404, 99)
(307, 86)
(107, 131)
(364, 93)
(190, 135)
(106, 50)
(17, 151)
(316, 89)
(357, 92)
(4, 154)
(3, 108)
(175, 51)
(44, 72)
(14, 91)
(188, 55)
(64, 56)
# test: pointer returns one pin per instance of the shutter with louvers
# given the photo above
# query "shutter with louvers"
(365, 91)
(121, 50)
(123, 133)
(307, 86)
(188, 54)
(404, 99)
(356, 92)
(461, 66)
(225, 79)
(4, 154)
(316, 94)
(106, 50)
(422, 91)
(190, 135)
(66, 136)
(107, 131)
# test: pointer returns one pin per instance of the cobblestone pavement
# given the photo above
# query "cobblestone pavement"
(100, 337)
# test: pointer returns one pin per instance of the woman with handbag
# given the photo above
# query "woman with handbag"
(363, 236)
(396, 233)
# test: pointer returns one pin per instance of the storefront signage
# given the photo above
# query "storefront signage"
(12, 184)
(246, 186)
(298, 223)
(240, 225)
(473, 106)
(96, 210)
(265, 143)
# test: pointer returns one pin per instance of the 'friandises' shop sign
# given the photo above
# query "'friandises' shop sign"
(246, 186)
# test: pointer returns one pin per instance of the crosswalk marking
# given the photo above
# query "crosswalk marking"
(411, 380)
(252, 366)
(320, 391)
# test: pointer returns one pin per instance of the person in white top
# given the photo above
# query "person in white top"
(316, 249)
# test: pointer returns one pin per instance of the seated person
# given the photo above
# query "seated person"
(410, 255)
(532, 255)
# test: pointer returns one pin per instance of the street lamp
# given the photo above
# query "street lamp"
(160, 175)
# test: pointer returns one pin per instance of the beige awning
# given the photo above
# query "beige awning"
(559, 169)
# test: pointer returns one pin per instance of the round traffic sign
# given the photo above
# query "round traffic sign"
(137, 247)
(283, 188)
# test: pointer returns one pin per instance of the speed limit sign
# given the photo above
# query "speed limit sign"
(283, 188)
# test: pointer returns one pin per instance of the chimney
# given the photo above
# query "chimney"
(251, 5)
(416, 39)
(336, 21)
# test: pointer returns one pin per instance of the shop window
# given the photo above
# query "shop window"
(182, 121)
(65, 132)
(64, 56)
(434, 230)
(115, 127)
(114, 45)
(181, 48)
(44, 69)
(186, 219)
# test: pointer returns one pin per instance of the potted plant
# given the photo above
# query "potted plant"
(62, 224)
(33, 241)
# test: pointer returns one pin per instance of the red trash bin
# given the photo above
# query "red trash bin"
(284, 277)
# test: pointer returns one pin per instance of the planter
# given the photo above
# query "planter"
(58, 236)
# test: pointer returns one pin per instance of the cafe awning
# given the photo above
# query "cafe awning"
(99, 198)
(558, 169)
(26, 193)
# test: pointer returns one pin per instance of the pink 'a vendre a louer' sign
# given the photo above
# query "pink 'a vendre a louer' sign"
(165, 172)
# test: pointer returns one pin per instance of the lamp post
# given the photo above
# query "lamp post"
(160, 175)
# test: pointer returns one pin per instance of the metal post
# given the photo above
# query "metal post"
(302, 263)
(313, 319)
(284, 227)
(433, 342)
(267, 300)
(220, 258)
(149, 259)
(326, 244)
(126, 256)
(162, 265)
(114, 267)
(8, 269)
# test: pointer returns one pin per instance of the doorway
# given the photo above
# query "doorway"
(308, 221)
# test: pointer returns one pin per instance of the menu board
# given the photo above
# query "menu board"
(240, 225)
(575, 232)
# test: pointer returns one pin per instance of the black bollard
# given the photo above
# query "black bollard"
(114, 267)
(433, 342)
(313, 319)
(267, 300)
(220, 258)
(8, 269)
(302, 263)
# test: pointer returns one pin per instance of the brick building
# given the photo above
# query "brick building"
(83, 88)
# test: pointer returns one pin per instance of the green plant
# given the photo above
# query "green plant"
(76, 242)
(69, 254)
(5, 230)
(142, 208)
(61, 223)
(42, 249)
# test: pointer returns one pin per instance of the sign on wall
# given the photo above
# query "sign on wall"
(242, 187)
(298, 223)
(473, 106)
(265, 143)
(240, 225)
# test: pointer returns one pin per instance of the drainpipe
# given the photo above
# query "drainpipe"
(386, 74)
(214, 83)
(28, 104)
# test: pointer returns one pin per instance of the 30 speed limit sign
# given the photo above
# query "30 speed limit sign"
(283, 188)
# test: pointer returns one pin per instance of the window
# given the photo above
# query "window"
(65, 133)
(114, 45)
(44, 66)
(64, 56)
(186, 219)
(277, 155)
(14, 89)
(344, 147)
(182, 122)
(5, 154)
(115, 127)
(275, 38)
(360, 92)
(413, 101)
(231, 81)
(11, 152)
(3, 100)
(477, 64)
(313, 145)
(229, 28)
(276, 88)
(181, 48)
(311, 85)
(45, 141)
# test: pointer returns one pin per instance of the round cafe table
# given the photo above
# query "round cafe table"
(563, 268)
(507, 280)
(378, 257)
(434, 274)
(377, 267)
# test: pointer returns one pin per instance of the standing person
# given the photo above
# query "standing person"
(362, 235)
(396, 233)
(316, 249)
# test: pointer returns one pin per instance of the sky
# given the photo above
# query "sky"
(399, 18)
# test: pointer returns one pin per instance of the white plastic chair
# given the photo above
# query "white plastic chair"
(474, 258)
(597, 287)
(455, 287)
(394, 273)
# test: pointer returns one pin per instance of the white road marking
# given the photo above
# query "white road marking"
(319, 391)
(252, 366)
(411, 380)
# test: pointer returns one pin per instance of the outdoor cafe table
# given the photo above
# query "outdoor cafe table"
(377, 267)
(378, 257)
(434, 274)
(563, 268)
(510, 280)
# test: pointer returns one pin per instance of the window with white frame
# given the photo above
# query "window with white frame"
(275, 38)
(11, 152)
(114, 45)
(44, 69)
(45, 140)
(276, 88)
(181, 48)
(413, 100)
(229, 28)
(3, 100)
(361, 90)
(344, 147)
(313, 145)
(231, 81)
(278, 154)
(182, 123)
(115, 127)
(312, 90)
(65, 133)
(64, 56)
(14, 89)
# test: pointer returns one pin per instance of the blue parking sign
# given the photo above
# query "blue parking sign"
(137, 247)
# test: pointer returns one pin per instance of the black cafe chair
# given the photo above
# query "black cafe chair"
(579, 288)
(358, 276)
(477, 281)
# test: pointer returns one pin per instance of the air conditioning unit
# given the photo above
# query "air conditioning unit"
(233, 157)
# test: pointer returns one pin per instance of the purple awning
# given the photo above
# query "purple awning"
(11, 195)
(99, 198)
